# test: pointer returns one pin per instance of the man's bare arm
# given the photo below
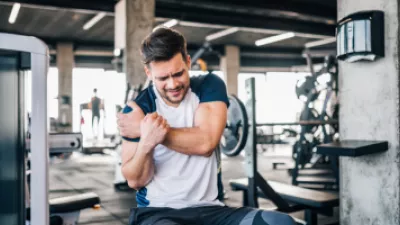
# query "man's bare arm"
(203, 138)
(137, 164)
(137, 158)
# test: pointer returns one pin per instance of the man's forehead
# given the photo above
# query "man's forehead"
(168, 73)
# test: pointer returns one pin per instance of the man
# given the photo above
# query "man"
(170, 132)
(95, 105)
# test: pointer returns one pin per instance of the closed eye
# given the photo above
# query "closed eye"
(178, 74)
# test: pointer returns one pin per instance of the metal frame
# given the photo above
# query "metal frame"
(256, 181)
(255, 178)
(40, 153)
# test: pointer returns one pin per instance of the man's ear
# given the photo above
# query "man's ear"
(147, 71)
(189, 62)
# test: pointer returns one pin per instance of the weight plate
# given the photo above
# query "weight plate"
(306, 89)
(304, 151)
(234, 137)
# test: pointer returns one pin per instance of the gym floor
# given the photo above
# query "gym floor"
(95, 173)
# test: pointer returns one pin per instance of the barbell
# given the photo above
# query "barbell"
(235, 133)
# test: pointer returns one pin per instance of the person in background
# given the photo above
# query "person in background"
(95, 105)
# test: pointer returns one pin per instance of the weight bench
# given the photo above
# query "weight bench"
(65, 210)
(298, 198)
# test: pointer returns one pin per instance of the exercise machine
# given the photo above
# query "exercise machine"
(63, 210)
(311, 169)
(315, 127)
(24, 203)
(286, 198)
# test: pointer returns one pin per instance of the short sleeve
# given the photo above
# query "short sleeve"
(128, 109)
(212, 89)
(146, 101)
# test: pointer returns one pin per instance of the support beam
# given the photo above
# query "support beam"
(230, 67)
(301, 10)
(320, 12)
(65, 65)
(140, 20)
(369, 110)
(88, 6)
(233, 19)
(299, 17)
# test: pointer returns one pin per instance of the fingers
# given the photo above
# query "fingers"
(163, 122)
(159, 121)
(166, 127)
(155, 119)
(151, 117)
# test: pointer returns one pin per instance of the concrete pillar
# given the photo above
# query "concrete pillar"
(230, 67)
(134, 20)
(369, 101)
(65, 65)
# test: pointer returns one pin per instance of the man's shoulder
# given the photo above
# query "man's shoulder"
(145, 94)
(198, 83)
(146, 100)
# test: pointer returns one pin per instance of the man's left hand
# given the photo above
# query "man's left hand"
(129, 123)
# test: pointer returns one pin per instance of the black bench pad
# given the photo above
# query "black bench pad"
(294, 194)
(73, 203)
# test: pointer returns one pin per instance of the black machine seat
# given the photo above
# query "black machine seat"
(74, 203)
(294, 194)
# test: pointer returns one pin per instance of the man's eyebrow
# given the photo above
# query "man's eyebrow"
(162, 76)
(178, 73)
(166, 75)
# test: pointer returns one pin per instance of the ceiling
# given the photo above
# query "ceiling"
(310, 20)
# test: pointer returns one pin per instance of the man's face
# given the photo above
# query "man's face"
(171, 78)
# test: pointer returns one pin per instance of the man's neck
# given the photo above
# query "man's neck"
(175, 105)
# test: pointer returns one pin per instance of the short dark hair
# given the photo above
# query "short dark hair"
(162, 44)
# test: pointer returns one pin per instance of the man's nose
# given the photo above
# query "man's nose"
(172, 83)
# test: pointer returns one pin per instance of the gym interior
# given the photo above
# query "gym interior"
(312, 127)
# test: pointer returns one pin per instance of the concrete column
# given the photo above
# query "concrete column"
(140, 19)
(369, 101)
(230, 66)
(65, 65)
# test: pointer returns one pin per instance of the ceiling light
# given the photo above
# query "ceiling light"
(222, 33)
(170, 23)
(320, 42)
(117, 52)
(14, 13)
(275, 38)
(94, 20)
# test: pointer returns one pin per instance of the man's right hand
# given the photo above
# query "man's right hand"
(129, 123)
(154, 129)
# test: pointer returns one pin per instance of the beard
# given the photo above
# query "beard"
(173, 100)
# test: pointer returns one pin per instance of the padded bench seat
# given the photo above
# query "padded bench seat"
(73, 203)
(69, 204)
(294, 194)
